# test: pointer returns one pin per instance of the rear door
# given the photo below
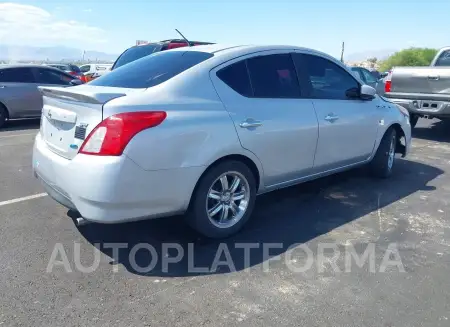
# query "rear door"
(262, 95)
(19, 93)
(347, 126)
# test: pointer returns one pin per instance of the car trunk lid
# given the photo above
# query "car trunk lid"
(70, 114)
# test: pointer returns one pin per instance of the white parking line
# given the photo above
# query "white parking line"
(25, 198)
(17, 135)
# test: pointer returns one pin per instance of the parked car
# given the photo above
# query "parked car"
(142, 50)
(73, 70)
(423, 91)
(375, 73)
(92, 71)
(203, 130)
(365, 75)
(19, 94)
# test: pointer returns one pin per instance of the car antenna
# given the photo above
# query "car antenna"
(189, 43)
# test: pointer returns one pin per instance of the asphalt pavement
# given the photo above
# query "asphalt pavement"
(301, 268)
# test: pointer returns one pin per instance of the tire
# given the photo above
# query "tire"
(3, 115)
(383, 162)
(413, 119)
(209, 194)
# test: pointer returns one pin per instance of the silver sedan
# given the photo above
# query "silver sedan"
(204, 130)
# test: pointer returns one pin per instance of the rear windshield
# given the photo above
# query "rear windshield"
(152, 70)
(75, 69)
(135, 53)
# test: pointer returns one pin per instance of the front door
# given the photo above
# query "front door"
(348, 126)
(262, 95)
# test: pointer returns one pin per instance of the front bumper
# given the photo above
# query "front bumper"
(112, 189)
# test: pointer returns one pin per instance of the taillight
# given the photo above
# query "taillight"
(111, 136)
(387, 86)
(388, 82)
(73, 73)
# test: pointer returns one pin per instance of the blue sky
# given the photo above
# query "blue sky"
(112, 26)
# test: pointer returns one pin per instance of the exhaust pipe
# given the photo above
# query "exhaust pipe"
(81, 221)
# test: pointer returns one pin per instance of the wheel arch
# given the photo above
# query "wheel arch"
(2, 105)
(400, 147)
(249, 162)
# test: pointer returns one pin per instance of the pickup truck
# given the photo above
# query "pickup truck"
(423, 91)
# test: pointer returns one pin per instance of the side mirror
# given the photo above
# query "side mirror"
(367, 92)
(76, 81)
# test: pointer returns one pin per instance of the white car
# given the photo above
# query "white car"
(92, 71)
(203, 130)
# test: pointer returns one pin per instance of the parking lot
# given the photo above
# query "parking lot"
(409, 212)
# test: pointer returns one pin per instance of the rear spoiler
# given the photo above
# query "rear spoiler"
(78, 94)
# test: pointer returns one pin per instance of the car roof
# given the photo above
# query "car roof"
(220, 50)
(7, 66)
(24, 65)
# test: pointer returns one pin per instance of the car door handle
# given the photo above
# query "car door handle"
(331, 118)
(433, 78)
(250, 124)
(2, 86)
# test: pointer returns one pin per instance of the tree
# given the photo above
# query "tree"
(409, 57)
(373, 61)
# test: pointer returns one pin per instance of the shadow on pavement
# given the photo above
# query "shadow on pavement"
(290, 216)
(438, 130)
(21, 124)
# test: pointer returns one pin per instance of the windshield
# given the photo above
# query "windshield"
(444, 59)
(152, 70)
(135, 53)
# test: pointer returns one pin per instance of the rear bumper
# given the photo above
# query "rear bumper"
(424, 107)
(112, 189)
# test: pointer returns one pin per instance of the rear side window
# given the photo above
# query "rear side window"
(17, 75)
(273, 76)
(152, 70)
(444, 59)
(236, 77)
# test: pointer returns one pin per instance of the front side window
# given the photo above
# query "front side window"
(17, 75)
(236, 77)
(273, 76)
(444, 59)
(50, 76)
(323, 79)
(152, 70)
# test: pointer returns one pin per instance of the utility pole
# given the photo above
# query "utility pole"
(342, 52)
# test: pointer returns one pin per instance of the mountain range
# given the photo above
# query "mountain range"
(61, 53)
(56, 53)
(380, 54)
